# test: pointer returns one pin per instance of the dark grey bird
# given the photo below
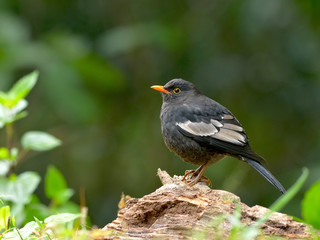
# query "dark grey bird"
(201, 131)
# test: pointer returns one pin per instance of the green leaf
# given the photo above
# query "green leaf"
(5, 167)
(21, 89)
(33, 211)
(3, 98)
(24, 233)
(311, 205)
(19, 189)
(29, 181)
(68, 207)
(60, 218)
(56, 187)
(40, 223)
(4, 217)
(4, 153)
(14, 154)
(13, 220)
(13, 113)
(54, 182)
(64, 196)
(21, 115)
(29, 229)
(39, 141)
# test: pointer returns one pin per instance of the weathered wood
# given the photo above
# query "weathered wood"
(178, 211)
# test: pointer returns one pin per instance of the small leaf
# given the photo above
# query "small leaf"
(13, 220)
(4, 153)
(54, 182)
(24, 233)
(29, 229)
(4, 167)
(60, 219)
(21, 89)
(19, 189)
(68, 207)
(56, 187)
(4, 217)
(311, 205)
(40, 223)
(4, 98)
(21, 115)
(64, 196)
(10, 114)
(39, 210)
(39, 141)
(14, 154)
(29, 182)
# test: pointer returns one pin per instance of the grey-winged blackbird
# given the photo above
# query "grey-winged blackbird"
(201, 131)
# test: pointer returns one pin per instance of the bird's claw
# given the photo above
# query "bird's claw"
(194, 178)
(188, 172)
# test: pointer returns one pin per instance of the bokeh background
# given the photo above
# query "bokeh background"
(97, 60)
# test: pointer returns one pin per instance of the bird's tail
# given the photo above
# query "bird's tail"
(264, 172)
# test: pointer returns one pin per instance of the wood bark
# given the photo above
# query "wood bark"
(178, 211)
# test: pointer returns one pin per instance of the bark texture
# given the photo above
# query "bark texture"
(178, 211)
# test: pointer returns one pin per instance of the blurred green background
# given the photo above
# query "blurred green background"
(97, 60)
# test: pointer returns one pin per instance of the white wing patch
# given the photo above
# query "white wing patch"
(198, 128)
(227, 116)
(233, 127)
(227, 132)
(230, 136)
(216, 123)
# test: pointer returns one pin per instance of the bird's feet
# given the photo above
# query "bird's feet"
(191, 177)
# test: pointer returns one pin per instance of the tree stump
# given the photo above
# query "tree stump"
(178, 211)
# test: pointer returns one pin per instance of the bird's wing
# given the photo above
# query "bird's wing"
(226, 131)
(217, 129)
(211, 120)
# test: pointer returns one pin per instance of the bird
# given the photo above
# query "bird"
(201, 131)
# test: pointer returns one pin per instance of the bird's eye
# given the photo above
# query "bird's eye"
(177, 90)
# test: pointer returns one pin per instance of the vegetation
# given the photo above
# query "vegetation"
(20, 206)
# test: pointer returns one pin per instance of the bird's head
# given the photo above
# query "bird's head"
(176, 90)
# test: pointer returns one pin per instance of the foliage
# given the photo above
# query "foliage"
(61, 225)
(39, 141)
(12, 102)
(19, 203)
(311, 205)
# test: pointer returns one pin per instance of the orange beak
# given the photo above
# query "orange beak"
(160, 89)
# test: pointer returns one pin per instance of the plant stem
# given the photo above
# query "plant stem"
(9, 128)
(19, 233)
(17, 161)
(21, 156)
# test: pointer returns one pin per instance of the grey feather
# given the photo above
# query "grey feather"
(227, 132)
(198, 128)
(227, 116)
(233, 127)
(216, 123)
(229, 136)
